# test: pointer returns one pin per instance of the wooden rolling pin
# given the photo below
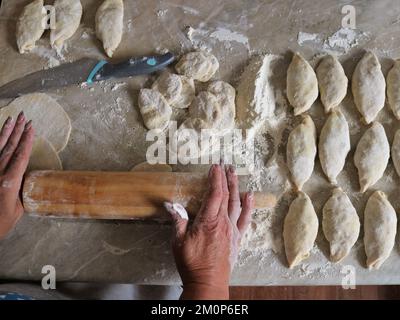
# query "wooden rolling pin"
(116, 195)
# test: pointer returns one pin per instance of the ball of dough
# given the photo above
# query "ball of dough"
(155, 110)
(199, 65)
(205, 106)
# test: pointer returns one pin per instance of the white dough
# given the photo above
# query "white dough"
(43, 156)
(225, 95)
(300, 229)
(30, 25)
(68, 18)
(155, 110)
(340, 224)
(49, 119)
(206, 106)
(332, 82)
(302, 84)
(368, 86)
(371, 156)
(380, 225)
(301, 151)
(396, 151)
(334, 145)
(178, 90)
(199, 65)
(109, 24)
(393, 89)
(147, 167)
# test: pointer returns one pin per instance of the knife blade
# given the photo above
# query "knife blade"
(84, 70)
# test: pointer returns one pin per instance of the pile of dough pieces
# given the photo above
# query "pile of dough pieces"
(68, 13)
(52, 128)
(213, 108)
(340, 221)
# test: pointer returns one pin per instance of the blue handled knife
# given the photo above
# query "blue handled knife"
(85, 70)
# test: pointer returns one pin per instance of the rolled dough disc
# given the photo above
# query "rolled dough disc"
(147, 167)
(49, 119)
(44, 156)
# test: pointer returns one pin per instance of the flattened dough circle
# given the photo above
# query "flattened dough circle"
(48, 118)
(43, 156)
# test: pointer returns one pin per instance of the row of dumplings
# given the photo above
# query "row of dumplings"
(341, 227)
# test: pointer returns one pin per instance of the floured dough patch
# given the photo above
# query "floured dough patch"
(109, 24)
(206, 107)
(48, 118)
(43, 156)
(30, 26)
(147, 167)
(225, 95)
(199, 65)
(155, 110)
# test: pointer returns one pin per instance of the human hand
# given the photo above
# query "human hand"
(206, 251)
(16, 139)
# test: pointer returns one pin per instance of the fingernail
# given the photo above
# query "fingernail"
(211, 172)
(250, 196)
(8, 121)
(21, 117)
(28, 125)
(232, 169)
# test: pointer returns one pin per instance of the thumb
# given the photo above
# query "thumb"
(180, 219)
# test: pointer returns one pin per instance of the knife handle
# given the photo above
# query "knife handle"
(131, 67)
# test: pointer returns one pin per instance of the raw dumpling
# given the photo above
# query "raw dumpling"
(334, 145)
(371, 156)
(48, 117)
(393, 89)
(43, 156)
(396, 151)
(109, 24)
(300, 230)
(332, 82)
(302, 84)
(340, 224)
(380, 224)
(30, 26)
(301, 151)
(68, 18)
(206, 107)
(147, 167)
(368, 86)
(225, 95)
(199, 65)
(155, 110)
(178, 90)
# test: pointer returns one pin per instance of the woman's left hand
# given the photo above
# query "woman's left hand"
(16, 140)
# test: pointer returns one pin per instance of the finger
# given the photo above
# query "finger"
(245, 215)
(12, 142)
(223, 209)
(212, 201)
(20, 159)
(180, 219)
(5, 133)
(234, 206)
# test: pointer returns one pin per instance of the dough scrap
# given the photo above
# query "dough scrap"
(68, 18)
(380, 224)
(147, 167)
(48, 118)
(340, 224)
(43, 156)
(334, 145)
(371, 156)
(302, 84)
(206, 106)
(393, 88)
(178, 90)
(199, 65)
(332, 82)
(368, 86)
(300, 229)
(30, 25)
(225, 95)
(109, 24)
(396, 151)
(155, 110)
(301, 151)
